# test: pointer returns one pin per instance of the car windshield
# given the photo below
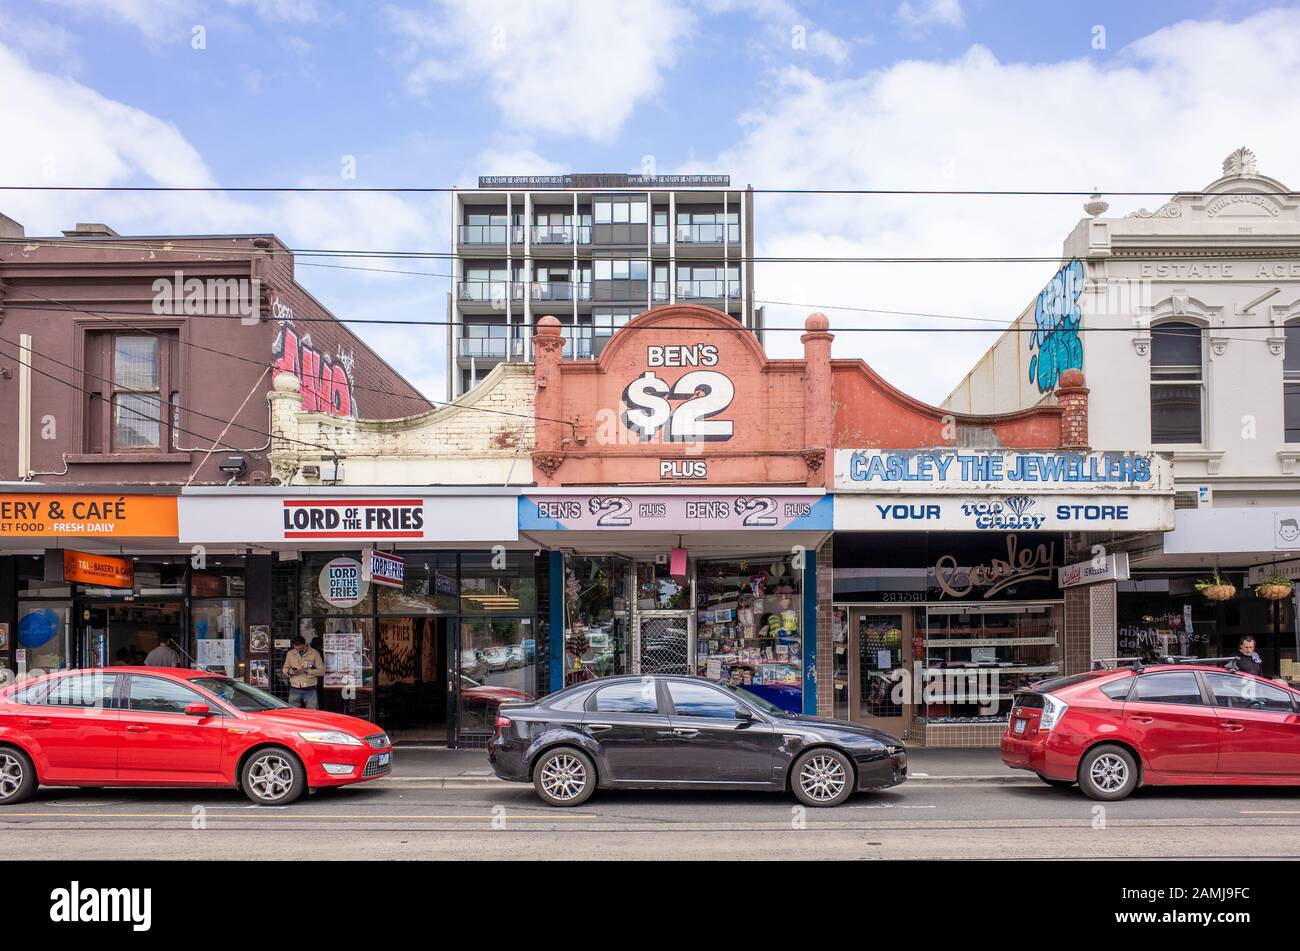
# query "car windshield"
(239, 695)
(755, 700)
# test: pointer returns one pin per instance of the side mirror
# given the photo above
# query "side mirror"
(744, 713)
(198, 710)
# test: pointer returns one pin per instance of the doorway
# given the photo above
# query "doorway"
(412, 667)
(117, 633)
(663, 623)
(880, 652)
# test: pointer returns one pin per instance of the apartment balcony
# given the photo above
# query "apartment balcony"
(560, 291)
(708, 290)
(487, 293)
(482, 235)
(708, 234)
(660, 292)
(496, 345)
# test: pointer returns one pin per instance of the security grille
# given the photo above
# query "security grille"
(664, 644)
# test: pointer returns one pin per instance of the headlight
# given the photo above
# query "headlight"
(333, 737)
(1053, 710)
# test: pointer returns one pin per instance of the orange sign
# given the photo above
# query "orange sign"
(105, 571)
(87, 515)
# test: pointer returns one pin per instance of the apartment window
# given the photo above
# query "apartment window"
(133, 392)
(621, 212)
(1291, 382)
(620, 269)
(1177, 383)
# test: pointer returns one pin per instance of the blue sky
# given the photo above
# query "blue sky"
(883, 93)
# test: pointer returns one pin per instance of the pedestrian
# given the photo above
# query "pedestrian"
(1247, 659)
(303, 666)
(164, 655)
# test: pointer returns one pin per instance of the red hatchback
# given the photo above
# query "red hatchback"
(151, 726)
(1114, 730)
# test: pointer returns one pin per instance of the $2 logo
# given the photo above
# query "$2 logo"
(707, 393)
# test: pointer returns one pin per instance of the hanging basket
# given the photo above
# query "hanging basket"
(1219, 592)
(1274, 590)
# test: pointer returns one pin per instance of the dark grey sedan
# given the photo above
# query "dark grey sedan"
(659, 732)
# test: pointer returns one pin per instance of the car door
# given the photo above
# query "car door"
(632, 730)
(161, 742)
(1172, 724)
(73, 725)
(710, 744)
(1259, 727)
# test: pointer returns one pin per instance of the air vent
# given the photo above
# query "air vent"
(1186, 500)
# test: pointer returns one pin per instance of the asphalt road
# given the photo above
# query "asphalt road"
(413, 820)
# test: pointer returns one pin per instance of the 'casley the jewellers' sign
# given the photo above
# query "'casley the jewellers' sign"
(995, 471)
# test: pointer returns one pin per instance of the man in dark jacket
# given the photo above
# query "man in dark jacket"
(1248, 661)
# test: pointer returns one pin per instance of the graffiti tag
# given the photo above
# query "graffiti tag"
(1056, 328)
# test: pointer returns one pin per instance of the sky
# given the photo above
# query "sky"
(876, 94)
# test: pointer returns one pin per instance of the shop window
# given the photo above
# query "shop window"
(1177, 384)
(595, 618)
(323, 586)
(1173, 687)
(430, 586)
(492, 584)
(346, 644)
(217, 629)
(499, 655)
(32, 583)
(45, 633)
(1291, 382)
(748, 627)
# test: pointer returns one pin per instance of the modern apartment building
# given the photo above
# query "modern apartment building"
(593, 250)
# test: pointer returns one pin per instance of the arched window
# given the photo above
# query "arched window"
(1177, 383)
(1291, 382)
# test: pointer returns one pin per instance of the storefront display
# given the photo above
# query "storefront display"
(748, 627)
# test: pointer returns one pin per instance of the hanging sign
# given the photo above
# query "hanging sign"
(102, 571)
(341, 584)
(383, 568)
(1110, 568)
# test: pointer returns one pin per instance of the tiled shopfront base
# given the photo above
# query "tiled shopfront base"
(955, 735)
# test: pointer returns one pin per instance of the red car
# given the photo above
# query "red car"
(1170, 725)
(151, 726)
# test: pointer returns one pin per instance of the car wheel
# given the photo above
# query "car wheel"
(273, 777)
(564, 777)
(17, 776)
(1108, 773)
(1058, 783)
(822, 777)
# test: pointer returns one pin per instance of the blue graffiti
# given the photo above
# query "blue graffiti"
(1056, 328)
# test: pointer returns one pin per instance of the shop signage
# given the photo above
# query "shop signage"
(103, 571)
(1108, 568)
(1024, 562)
(686, 512)
(383, 568)
(997, 470)
(64, 515)
(1245, 529)
(257, 516)
(1004, 513)
(1288, 569)
(688, 410)
(341, 583)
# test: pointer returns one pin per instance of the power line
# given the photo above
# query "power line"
(444, 189)
(108, 316)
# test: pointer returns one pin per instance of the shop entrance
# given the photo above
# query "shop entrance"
(663, 642)
(117, 633)
(879, 663)
(412, 688)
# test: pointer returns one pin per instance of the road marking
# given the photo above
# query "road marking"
(1270, 812)
(287, 815)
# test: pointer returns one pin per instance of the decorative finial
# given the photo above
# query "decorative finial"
(1095, 206)
(1241, 163)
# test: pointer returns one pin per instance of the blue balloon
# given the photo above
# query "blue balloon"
(38, 628)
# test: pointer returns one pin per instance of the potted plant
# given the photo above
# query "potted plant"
(1217, 589)
(1275, 586)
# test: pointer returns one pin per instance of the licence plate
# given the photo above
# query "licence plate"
(385, 758)
(1018, 726)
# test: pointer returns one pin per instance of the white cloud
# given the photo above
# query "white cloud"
(977, 123)
(786, 28)
(920, 14)
(563, 67)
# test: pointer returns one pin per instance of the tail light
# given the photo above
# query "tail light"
(503, 722)
(1053, 710)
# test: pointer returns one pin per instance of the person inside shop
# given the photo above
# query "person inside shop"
(164, 655)
(1248, 660)
(304, 667)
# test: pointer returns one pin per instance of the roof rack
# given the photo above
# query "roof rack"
(1137, 664)
(1227, 663)
(1101, 663)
